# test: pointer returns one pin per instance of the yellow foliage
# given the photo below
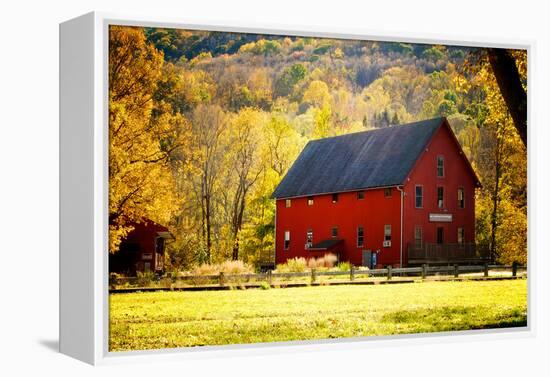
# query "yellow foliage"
(141, 185)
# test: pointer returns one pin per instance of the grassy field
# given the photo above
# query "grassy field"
(180, 319)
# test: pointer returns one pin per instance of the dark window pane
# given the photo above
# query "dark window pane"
(360, 236)
(440, 166)
(418, 197)
(439, 235)
(440, 194)
(287, 239)
(461, 198)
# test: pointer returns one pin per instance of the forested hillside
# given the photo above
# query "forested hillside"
(204, 125)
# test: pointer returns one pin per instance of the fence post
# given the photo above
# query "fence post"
(486, 269)
(514, 268)
(424, 271)
(456, 270)
(389, 272)
(313, 275)
(269, 277)
(221, 279)
(351, 273)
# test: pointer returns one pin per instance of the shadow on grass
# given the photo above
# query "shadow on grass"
(455, 318)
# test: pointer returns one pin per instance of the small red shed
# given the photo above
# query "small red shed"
(142, 249)
(401, 195)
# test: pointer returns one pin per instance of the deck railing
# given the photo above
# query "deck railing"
(446, 253)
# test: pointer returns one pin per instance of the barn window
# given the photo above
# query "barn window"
(460, 197)
(288, 203)
(460, 237)
(287, 239)
(440, 167)
(147, 266)
(418, 237)
(418, 196)
(360, 236)
(387, 192)
(159, 245)
(334, 232)
(439, 235)
(360, 195)
(310, 200)
(309, 238)
(440, 195)
(387, 232)
(335, 198)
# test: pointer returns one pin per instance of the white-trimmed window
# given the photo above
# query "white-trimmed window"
(310, 200)
(418, 196)
(387, 232)
(440, 197)
(461, 197)
(440, 167)
(335, 198)
(334, 232)
(309, 238)
(360, 236)
(288, 203)
(287, 239)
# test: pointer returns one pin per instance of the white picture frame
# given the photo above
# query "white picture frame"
(84, 294)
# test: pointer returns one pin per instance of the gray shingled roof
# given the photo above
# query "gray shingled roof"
(376, 158)
(326, 244)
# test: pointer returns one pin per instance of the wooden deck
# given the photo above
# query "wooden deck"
(446, 253)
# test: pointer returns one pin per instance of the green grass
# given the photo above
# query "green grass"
(181, 319)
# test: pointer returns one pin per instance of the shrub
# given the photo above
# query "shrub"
(312, 262)
(236, 267)
(344, 266)
(145, 279)
(264, 285)
(205, 269)
(301, 264)
(326, 261)
(227, 267)
(293, 265)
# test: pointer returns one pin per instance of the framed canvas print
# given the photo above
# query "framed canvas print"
(224, 186)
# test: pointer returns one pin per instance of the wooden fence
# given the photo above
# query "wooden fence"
(314, 275)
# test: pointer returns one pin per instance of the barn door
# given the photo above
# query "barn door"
(367, 258)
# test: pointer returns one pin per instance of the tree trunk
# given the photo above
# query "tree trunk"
(206, 221)
(238, 226)
(495, 197)
(208, 228)
(509, 82)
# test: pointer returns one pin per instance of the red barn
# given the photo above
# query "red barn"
(142, 249)
(401, 195)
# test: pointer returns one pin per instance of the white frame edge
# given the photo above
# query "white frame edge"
(84, 299)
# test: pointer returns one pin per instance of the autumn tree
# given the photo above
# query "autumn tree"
(209, 123)
(501, 210)
(142, 136)
(243, 167)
